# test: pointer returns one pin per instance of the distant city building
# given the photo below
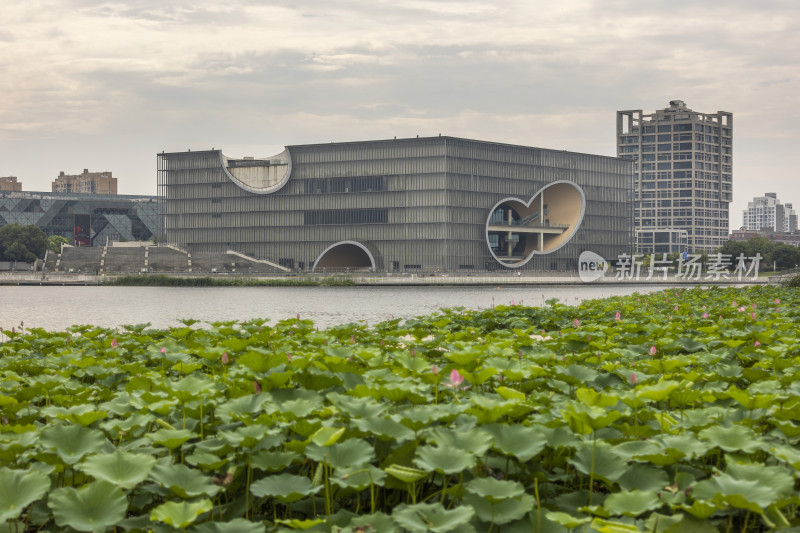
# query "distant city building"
(85, 219)
(777, 238)
(86, 183)
(403, 205)
(10, 184)
(682, 176)
(766, 213)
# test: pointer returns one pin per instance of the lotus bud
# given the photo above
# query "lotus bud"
(113, 343)
(618, 316)
(225, 359)
(163, 350)
(434, 370)
(653, 350)
(256, 387)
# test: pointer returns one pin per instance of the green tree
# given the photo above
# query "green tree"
(55, 241)
(786, 256)
(22, 243)
(734, 248)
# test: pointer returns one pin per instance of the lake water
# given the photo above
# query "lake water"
(58, 307)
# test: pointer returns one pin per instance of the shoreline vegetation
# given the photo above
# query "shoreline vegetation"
(160, 280)
(672, 411)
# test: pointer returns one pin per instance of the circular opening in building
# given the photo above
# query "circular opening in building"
(347, 256)
(517, 230)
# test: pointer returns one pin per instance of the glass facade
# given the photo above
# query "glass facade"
(405, 204)
(87, 219)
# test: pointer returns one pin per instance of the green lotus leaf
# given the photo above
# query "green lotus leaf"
(20, 488)
(607, 465)
(379, 522)
(788, 454)
(494, 490)
(191, 388)
(206, 460)
(180, 514)
(658, 392)
(94, 507)
(357, 407)
(352, 452)
(183, 481)
(475, 441)
(775, 477)
(237, 525)
(644, 478)
(273, 461)
(286, 487)
(593, 398)
(586, 419)
(327, 436)
(243, 408)
(121, 469)
(302, 525)
(405, 474)
(726, 490)
(576, 374)
(444, 460)
(384, 428)
(733, 438)
(567, 520)
(518, 441)
(171, 438)
(72, 442)
(632, 502)
(501, 511)
(607, 526)
(358, 477)
(423, 517)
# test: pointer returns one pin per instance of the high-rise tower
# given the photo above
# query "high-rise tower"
(682, 178)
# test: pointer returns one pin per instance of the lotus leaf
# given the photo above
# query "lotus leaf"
(725, 490)
(72, 442)
(180, 514)
(94, 507)
(238, 525)
(286, 487)
(444, 460)
(521, 442)
(502, 511)
(20, 488)
(732, 438)
(183, 481)
(121, 469)
(632, 502)
(423, 517)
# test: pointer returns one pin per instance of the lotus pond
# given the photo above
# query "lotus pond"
(676, 411)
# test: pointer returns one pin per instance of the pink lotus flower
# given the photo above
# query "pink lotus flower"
(113, 343)
(741, 309)
(777, 301)
(756, 343)
(256, 387)
(633, 379)
(653, 350)
(676, 307)
(754, 306)
(777, 309)
(753, 316)
(704, 307)
(456, 379)
(733, 303)
(705, 315)
(288, 356)
(576, 323)
(225, 359)
(163, 350)
(618, 317)
(434, 370)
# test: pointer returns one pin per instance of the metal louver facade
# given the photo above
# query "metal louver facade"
(423, 204)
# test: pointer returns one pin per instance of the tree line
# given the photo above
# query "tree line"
(27, 243)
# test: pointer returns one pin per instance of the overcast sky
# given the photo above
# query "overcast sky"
(106, 85)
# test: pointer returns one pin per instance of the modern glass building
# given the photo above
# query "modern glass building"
(683, 176)
(85, 219)
(425, 204)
